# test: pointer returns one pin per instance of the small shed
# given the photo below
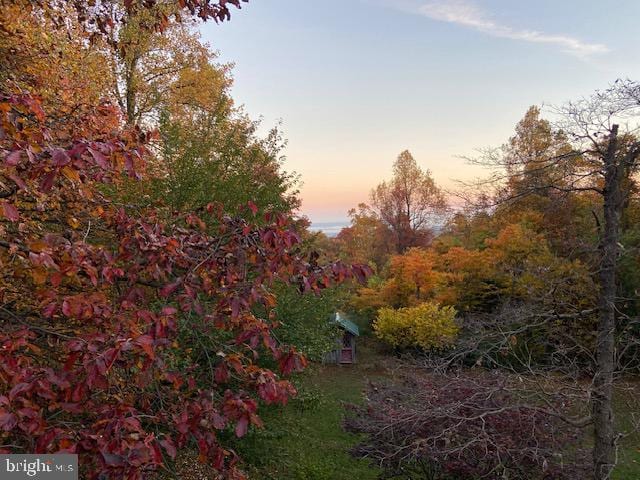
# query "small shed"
(345, 353)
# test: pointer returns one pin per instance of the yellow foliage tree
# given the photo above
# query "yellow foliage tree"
(70, 76)
(469, 278)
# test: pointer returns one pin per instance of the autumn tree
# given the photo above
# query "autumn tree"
(97, 299)
(599, 168)
(468, 228)
(92, 300)
(169, 71)
(409, 203)
(366, 239)
(208, 149)
(55, 65)
(100, 19)
(537, 184)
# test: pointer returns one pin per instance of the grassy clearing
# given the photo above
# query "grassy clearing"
(305, 440)
(629, 462)
(629, 466)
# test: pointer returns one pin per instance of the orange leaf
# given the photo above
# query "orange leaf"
(71, 173)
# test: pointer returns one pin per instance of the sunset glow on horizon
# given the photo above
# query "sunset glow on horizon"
(354, 86)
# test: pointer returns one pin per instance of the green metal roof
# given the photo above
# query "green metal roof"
(347, 324)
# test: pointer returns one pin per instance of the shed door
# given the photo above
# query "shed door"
(346, 352)
(346, 355)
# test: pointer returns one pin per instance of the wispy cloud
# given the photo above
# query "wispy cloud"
(469, 15)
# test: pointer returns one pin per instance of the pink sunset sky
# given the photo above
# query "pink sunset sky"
(356, 82)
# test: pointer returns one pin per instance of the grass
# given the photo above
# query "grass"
(629, 462)
(305, 440)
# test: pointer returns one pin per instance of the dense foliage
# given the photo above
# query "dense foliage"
(132, 328)
(156, 289)
(91, 306)
(427, 326)
(539, 264)
(306, 320)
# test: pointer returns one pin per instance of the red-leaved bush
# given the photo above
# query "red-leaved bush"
(94, 298)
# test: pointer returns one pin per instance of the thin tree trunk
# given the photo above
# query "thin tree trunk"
(604, 451)
(130, 94)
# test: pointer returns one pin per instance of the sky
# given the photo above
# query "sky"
(355, 82)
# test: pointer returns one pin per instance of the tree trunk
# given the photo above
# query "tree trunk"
(131, 90)
(604, 451)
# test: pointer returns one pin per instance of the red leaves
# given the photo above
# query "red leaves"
(147, 344)
(221, 374)
(242, 426)
(60, 158)
(12, 158)
(40, 160)
(101, 160)
(168, 289)
(243, 411)
(46, 184)
(169, 447)
(272, 390)
(19, 389)
(7, 421)
(9, 211)
(235, 306)
(110, 356)
(86, 306)
(291, 361)
(119, 308)
(18, 181)
(112, 460)
(362, 272)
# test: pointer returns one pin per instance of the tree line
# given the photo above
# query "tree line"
(540, 266)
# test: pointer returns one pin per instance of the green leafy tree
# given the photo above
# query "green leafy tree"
(306, 320)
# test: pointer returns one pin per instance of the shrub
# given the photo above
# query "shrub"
(132, 337)
(426, 326)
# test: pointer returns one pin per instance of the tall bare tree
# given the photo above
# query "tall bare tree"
(605, 128)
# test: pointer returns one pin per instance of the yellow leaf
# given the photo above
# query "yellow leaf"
(71, 173)
(37, 246)
(73, 222)
(39, 276)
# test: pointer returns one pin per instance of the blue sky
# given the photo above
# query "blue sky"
(355, 82)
